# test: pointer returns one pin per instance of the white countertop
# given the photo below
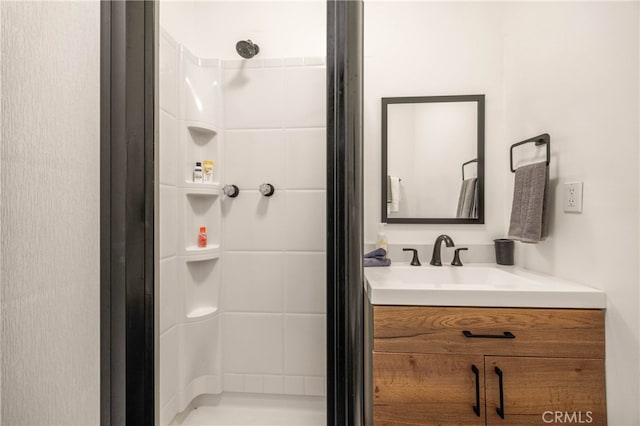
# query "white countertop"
(480, 284)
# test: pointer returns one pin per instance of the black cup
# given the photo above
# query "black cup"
(504, 251)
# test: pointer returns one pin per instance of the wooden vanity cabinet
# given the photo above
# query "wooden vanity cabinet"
(428, 389)
(538, 386)
(493, 366)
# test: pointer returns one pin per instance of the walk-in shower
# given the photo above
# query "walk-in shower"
(242, 212)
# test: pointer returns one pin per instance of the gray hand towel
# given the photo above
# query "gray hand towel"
(376, 261)
(377, 253)
(529, 209)
(465, 199)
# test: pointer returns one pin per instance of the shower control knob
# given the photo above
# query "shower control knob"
(267, 189)
(231, 191)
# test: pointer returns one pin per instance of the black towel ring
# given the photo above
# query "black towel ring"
(475, 160)
(543, 139)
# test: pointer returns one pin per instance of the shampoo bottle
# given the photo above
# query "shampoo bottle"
(202, 237)
(382, 238)
(207, 169)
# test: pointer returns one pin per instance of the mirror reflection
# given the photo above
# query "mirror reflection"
(432, 165)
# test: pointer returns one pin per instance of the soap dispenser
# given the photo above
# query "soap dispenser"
(382, 238)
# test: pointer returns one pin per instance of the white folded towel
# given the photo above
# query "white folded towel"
(394, 205)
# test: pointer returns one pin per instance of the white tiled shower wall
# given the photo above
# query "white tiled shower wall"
(169, 286)
(273, 286)
(273, 263)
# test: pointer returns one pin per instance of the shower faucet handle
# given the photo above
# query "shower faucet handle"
(267, 189)
(231, 191)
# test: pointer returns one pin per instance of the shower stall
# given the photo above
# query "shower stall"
(242, 149)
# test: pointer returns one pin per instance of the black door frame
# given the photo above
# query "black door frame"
(127, 213)
(345, 292)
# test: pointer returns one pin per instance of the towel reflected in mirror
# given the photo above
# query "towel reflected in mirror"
(393, 194)
(468, 199)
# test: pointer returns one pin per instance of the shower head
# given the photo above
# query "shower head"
(247, 49)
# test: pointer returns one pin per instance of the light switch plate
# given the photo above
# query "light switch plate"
(573, 197)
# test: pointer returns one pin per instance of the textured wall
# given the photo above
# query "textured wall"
(50, 213)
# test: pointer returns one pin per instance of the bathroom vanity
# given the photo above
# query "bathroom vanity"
(482, 345)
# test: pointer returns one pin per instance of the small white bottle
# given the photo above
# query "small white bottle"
(207, 169)
(197, 173)
(382, 238)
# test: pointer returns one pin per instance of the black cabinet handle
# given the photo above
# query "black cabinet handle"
(500, 409)
(505, 335)
(476, 408)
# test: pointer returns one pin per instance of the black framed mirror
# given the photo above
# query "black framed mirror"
(433, 159)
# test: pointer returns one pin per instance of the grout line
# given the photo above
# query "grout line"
(252, 190)
(282, 251)
(277, 313)
(312, 190)
(284, 319)
(275, 128)
(270, 129)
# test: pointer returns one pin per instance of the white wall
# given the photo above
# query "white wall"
(171, 300)
(567, 68)
(571, 69)
(424, 49)
(282, 29)
(50, 213)
(273, 286)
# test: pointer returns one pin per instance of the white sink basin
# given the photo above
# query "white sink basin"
(476, 285)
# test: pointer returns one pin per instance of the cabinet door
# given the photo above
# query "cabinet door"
(538, 391)
(428, 389)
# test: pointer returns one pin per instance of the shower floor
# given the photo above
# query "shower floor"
(254, 409)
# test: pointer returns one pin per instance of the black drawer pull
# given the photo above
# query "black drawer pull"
(476, 408)
(505, 335)
(500, 409)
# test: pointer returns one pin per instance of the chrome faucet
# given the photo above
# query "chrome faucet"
(437, 246)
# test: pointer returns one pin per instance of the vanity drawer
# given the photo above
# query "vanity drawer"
(575, 333)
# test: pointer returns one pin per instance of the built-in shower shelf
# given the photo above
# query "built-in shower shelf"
(202, 189)
(200, 254)
(202, 313)
(204, 129)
